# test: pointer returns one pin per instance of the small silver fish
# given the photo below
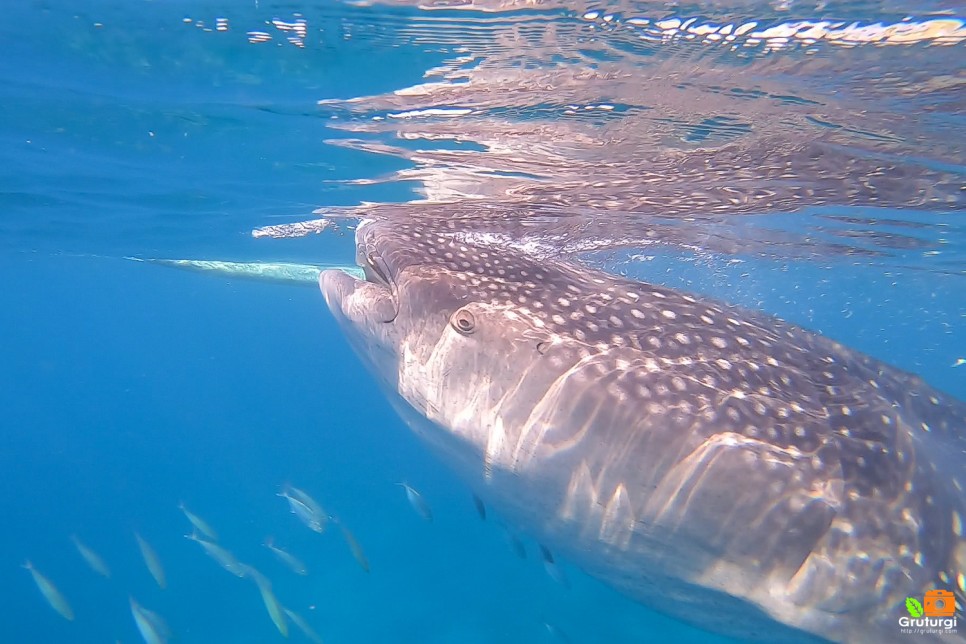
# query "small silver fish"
(303, 626)
(50, 592)
(287, 558)
(151, 560)
(417, 501)
(200, 524)
(275, 609)
(224, 558)
(93, 559)
(480, 507)
(556, 632)
(553, 569)
(304, 498)
(152, 627)
(305, 508)
(354, 546)
(515, 544)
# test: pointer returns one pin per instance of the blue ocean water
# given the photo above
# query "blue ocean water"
(128, 130)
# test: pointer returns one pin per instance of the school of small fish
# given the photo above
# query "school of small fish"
(155, 630)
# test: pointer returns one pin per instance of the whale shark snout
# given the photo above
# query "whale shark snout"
(738, 472)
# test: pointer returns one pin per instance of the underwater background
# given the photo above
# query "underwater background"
(139, 129)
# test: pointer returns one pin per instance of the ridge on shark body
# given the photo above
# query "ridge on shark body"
(735, 471)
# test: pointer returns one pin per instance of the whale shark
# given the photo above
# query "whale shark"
(730, 469)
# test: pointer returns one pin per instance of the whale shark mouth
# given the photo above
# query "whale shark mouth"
(362, 302)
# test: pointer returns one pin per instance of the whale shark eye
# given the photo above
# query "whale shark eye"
(463, 321)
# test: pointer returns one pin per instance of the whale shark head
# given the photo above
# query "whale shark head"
(449, 326)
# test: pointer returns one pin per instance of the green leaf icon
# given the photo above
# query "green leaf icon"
(913, 606)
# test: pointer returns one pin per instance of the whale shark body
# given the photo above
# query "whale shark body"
(733, 470)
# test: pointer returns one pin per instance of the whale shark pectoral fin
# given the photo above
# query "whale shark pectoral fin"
(758, 506)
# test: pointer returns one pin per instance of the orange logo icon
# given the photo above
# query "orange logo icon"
(939, 603)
